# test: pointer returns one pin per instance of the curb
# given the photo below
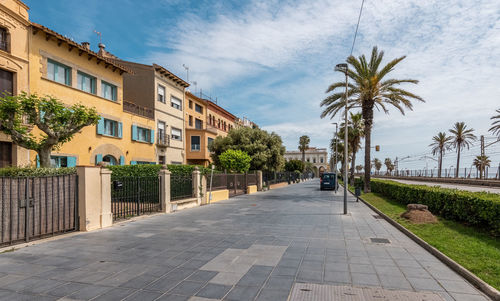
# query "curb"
(473, 279)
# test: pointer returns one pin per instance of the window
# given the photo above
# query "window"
(6, 82)
(314, 160)
(86, 82)
(210, 119)
(198, 124)
(110, 159)
(161, 160)
(321, 159)
(161, 93)
(209, 141)
(176, 134)
(4, 39)
(198, 108)
(110, 128)
(58, 72)
(108, 91)
(176, 103)
(190, 120)
(56, 161)
(307, 159)
(195, 143)
(143, 134)
(190, 104)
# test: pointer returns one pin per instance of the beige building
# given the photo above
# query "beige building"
(156, 91)
(317, 156)
(14, 58)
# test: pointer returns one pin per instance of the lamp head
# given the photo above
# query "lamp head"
(341, 67)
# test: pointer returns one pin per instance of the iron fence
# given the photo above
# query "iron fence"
(492, 173)
(37, 207)
(131, 196)
(181, 187)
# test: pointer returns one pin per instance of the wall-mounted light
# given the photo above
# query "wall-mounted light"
(90, 148)
(126, 153)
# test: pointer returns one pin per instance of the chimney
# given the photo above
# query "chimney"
(102, 49)
(86, 45)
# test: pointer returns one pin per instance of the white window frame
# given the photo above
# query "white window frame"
(176, 103)
(174, 136)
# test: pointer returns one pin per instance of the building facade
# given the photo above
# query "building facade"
(219, 119)
(317, 156)
(14, 61)
(159, 93)
(199, 134)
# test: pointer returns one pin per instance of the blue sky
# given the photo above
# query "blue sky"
(272, 61)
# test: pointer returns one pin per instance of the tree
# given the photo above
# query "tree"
(265, 149)
(377, 164)
(462, 138)
(440, 144)
(20, 113)
(340, 151)
(495, 129)
(235, 160)
(369, 89)
(303, 146)
(359, 168)
(389, 165)
(481, 162)
(354, 134)
(294, 165)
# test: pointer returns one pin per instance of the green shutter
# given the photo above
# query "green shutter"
(152, 136)
(122, 160)
(133, 162)
(100, 126)
(71, 161)
(37, 161)
(98, 158)
(120, 130)
(134, 133)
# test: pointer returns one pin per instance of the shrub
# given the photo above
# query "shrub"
(35, 172)
(479, 209)
(235, 160)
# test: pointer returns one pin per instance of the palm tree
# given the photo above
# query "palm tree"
(495, 129)
(481, 162)
(354, 135)
(303, 146)
(359, 168)
(440, 144)
(377, 164)
(340, 151)
(369, 89)
(462, 138)
(389, 165)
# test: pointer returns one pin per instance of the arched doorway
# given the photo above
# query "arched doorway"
(110, 160)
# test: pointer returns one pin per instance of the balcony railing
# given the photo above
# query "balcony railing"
(139, 110)
(163, 139)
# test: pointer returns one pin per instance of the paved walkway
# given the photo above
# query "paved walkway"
(452, 186)
(247, 248)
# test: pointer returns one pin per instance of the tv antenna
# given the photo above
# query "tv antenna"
(100, 36)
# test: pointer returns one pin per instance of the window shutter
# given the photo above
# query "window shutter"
(133, 162)
(152, 137)
(42, 115)
(100, 126)
(122, 160)
(71, 161)
(134, 133)
(37, 161)
(120, 130)
(98, 158)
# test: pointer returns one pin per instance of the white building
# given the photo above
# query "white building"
(317, 156)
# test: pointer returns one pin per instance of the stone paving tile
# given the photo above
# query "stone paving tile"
(273, 295)
(143, 296)
(170, 297)
(214, 291)
(242, 293)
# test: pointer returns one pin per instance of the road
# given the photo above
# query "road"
(265, 246)
(453, 186)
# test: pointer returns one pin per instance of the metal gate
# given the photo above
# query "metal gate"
(131, 196)
(37, 207)
(236, 184)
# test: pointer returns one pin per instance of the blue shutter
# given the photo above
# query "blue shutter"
(71, 161)
(42, 114)
(122, 160)
(37, 161)
(120, 130)
(133, 162)
(134, 133)
(152, 137)
(98, 158)
(100, 126)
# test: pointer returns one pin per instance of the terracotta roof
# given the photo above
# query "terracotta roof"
(170, 75)
(72, 44)
(220, 109)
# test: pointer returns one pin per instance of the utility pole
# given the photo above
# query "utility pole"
(482, 156)
(482, 145)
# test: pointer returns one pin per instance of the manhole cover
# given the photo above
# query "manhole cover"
(378, 240)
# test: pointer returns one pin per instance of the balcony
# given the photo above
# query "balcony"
(138, 110)
(163, 139)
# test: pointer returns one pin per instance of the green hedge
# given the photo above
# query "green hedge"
(479, 209)
(35, 172)
(146, 170)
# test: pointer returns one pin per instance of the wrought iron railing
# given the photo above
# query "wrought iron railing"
(163, 139)
(139, 110)
(181, 187)
(131, 196)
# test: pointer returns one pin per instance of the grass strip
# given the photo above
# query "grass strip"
(472, 248)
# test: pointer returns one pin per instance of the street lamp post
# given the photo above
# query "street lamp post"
(344, 68)
(335, 155)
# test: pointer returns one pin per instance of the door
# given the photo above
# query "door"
(161, 132)
(5, 154)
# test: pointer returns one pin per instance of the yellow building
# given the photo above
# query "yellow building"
(14, 28)
(199, 134)
(219, 119)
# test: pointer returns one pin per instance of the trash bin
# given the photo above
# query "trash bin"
(357, 192)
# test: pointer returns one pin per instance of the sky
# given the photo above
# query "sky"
(272, 61)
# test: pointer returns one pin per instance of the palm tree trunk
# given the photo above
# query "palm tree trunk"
(367, 112)
(458, 162)
(351, 177)
(440, 162)
(304, 158)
